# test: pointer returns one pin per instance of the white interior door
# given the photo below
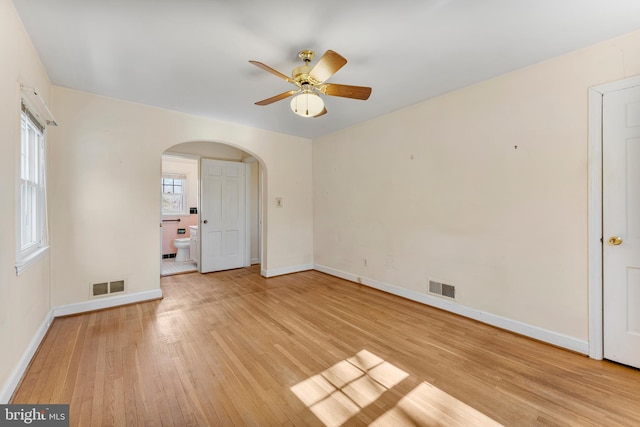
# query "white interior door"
(222, 215)
(621, 225)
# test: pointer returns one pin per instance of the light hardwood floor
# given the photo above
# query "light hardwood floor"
(234, 348)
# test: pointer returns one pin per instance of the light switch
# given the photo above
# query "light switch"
(278, 202)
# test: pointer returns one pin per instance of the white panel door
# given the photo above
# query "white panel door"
(621, 225)
(222, 215)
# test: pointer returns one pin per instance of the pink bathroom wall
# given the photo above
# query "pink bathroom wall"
(170, 231)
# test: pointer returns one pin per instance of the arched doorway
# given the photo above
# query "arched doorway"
(181, 173)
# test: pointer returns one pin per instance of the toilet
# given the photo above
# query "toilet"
(182, 245)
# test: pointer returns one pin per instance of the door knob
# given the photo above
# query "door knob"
(207, 222)
(615, 241)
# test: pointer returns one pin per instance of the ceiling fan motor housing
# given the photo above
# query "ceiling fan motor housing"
(301, 74)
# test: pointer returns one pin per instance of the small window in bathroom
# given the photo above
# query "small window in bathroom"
(174, 194)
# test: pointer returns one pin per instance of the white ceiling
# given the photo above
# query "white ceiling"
(192, 55)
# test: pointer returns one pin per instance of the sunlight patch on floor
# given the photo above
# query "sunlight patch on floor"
(340, 392)
(427, 405)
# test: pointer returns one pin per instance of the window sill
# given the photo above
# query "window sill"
(30, 259)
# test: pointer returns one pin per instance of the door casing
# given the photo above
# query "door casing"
(596, 314)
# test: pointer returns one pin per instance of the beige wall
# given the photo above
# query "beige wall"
(440, 191)
(106, 167)
(24, 300)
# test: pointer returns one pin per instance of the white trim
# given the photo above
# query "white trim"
(247, 214)
(595, 225)
(18, 372)
(65, 310)
(34, 250)
(30, 259)
(286, 270)
(261, 215)
(525, 329)
(109, 302)
(596, 94)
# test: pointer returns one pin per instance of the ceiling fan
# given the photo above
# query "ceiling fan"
(310, 82)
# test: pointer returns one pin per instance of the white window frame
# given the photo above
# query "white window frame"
(31, 223)
(185, 208)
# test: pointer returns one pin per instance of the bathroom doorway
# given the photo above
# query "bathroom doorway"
(179, 213)
(173, 165)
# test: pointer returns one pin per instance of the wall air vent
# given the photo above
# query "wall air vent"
(100, 289)
(448, 291)
(435, 287)
(107, 288)
(442, 289)
(116, 286)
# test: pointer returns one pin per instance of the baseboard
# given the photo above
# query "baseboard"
(15, 377)
(99, 304)
(521, 328)
(286, 270)
(65, 310)
(255, 261)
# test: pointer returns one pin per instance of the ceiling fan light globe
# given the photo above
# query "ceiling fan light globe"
(307, 104)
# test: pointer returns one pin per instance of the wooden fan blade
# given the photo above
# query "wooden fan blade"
(277, 97)
(321, 113)
(347, 91)
(272, 71)
(327, 66)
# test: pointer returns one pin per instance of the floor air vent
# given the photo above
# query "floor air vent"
(442, 289)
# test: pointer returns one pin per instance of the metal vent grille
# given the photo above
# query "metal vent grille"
(448, 291)
(116, 286)
(442, 289)
(435, 287)
(106, 288)
(100, 289)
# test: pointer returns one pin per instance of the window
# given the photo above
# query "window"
(174, 194)
(32, 222)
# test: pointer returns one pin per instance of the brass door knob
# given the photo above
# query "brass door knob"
(615, 241)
